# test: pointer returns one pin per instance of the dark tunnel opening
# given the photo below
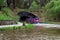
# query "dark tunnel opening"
(27, 17)
(23, 18)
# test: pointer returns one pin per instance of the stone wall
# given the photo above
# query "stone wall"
(7, 22)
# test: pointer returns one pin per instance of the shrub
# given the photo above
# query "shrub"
(5, 15)
(6, 11)
(2, 3)
(34, 6)
(52, 10)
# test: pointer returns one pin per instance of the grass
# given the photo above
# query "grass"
(4, 17)
(7, 14)
(30, 27)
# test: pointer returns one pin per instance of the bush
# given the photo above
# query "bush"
(2, 3)
(5, 15)
(6, 11)
(34, 6)
(52, 10)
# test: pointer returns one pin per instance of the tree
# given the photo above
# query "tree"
(53, 10)
(2, 3)
(42, 2)
(27, 3)
(34, 6)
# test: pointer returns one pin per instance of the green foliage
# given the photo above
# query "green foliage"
(53, 10)
(2, 3)
(20, 3)
(28, 26)
(4, 17)
(34, 6)
(6, 11)
(5, 14)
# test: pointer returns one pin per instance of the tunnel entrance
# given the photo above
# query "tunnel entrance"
(28, 17)
(23, 15)
(23, 18)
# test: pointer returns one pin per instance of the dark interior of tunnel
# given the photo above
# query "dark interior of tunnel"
(23, 18)
(23, 15)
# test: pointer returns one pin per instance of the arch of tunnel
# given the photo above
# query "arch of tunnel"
(23, 15)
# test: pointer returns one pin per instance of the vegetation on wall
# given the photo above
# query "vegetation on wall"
(52, 10)
(51, 7)
(34, 6)
(6, 14)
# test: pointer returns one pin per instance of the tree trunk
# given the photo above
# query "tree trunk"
(23, 23)
(0, 7)
(8, 3)
(13, 4)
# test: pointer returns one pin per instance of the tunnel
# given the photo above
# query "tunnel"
(23, 16)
